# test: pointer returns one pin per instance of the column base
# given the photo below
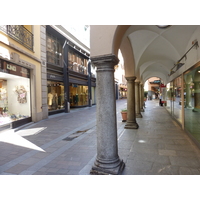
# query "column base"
(131, 125)
(139, 115)
(96, 170)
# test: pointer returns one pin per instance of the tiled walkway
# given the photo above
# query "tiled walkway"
(65, 144)
(159, 146)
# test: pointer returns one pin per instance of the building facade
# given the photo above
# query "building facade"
(71, 79)
(21, 66)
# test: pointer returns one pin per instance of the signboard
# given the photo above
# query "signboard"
(54, 77)
(11, 68)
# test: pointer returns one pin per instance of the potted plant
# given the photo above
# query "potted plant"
(124, 114)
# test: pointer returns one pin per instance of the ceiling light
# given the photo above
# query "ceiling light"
(163, 26)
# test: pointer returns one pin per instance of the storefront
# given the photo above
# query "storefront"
(79, 80)
(55, 94)
(15, 103)
(183, 101)
(122, 91)
(78, 95)
(173, 99)
(192, 102)
(69, 78)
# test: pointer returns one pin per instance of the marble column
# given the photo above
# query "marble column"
(137, 100)
(131, 116)
(107, 160)
(141, 98)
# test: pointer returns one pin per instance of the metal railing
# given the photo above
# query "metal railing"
(19, 34)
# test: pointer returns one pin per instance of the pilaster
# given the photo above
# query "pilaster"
(43, 71)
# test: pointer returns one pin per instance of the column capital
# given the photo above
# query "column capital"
(137, 83)
(131, 78)
(103, 59)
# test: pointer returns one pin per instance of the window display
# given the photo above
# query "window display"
(192, 102)
(14, 93)
(78, 95)
(55, 96)
(177, 104)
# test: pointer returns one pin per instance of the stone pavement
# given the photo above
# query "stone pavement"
(65, 144)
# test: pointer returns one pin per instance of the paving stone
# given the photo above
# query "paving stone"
(30, 161)
(138, 165)
(17, 168)
(167, 152)
(160, 169)
(185, 161)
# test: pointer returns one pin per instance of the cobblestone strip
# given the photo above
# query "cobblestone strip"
(16, 161)
(31, 170)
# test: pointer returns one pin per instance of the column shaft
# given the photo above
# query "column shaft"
(137, 100)
(142, 97)
(131, 117)
(107, 160)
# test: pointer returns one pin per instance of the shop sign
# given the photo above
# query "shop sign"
(54, 77)
(10, 68)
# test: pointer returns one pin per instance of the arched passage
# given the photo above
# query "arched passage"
(147, 51)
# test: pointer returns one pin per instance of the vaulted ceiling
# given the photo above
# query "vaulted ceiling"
(157, 49)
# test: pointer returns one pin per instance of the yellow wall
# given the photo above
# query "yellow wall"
(36, 53)
(28, 27)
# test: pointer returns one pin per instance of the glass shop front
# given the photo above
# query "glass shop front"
(78, 95)
(15, 101)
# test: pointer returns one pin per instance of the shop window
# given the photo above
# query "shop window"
(177, 103)
(55, 96)
(78, 95)
(54, 50)
(192, 102)
(14, 93)
(14, 98)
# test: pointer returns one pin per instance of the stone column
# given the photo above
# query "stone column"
(142, 97)
(107, 160)
(131, 117)
(137, 100)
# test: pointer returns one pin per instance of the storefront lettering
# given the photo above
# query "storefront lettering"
(11, 67)
(52, 76)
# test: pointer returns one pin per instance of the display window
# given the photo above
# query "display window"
(168, 95)
(55, 96)
(78, 95)
(54, 50)
(192, 102)
(177, 103)
(14, 93)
